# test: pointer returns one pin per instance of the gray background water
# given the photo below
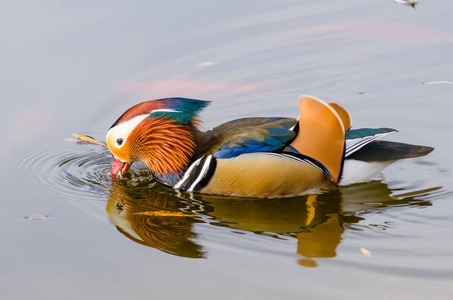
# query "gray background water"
(75, 66)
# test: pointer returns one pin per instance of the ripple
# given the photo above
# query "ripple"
(74, 172)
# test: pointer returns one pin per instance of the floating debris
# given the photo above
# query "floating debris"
(407, 2)
(365, 251)
(164, 213)
(85, 139)
(37, 217)
(439, 82)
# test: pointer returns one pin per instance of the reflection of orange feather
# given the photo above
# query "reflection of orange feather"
(164, 213)
(164, 233)
(164, 146)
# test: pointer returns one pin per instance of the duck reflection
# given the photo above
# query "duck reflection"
(164, 219)
(154, 219)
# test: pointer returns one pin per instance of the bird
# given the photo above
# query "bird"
(263, 157)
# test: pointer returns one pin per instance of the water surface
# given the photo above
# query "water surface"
(69, 232)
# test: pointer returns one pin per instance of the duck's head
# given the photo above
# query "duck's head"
(156, 132)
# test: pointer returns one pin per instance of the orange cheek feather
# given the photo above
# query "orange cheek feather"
(164, 146)
(123, 153)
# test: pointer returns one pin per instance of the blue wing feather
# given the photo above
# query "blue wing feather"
(271, 135)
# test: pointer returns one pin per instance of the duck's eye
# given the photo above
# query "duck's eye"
(119, 141)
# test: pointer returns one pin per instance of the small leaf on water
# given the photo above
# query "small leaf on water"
(87, 139)
(164, 213)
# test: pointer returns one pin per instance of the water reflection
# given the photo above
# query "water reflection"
(154, 219)
(163, 219)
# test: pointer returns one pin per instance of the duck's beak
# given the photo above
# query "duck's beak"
(119, 167)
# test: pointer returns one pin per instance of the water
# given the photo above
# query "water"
(69, 232)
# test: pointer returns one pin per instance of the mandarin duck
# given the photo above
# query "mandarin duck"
(254, 157)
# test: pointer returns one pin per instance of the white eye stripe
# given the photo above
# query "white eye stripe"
(123, 130)
(165, 110)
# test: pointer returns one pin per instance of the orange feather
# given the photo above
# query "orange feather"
(164, 146)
